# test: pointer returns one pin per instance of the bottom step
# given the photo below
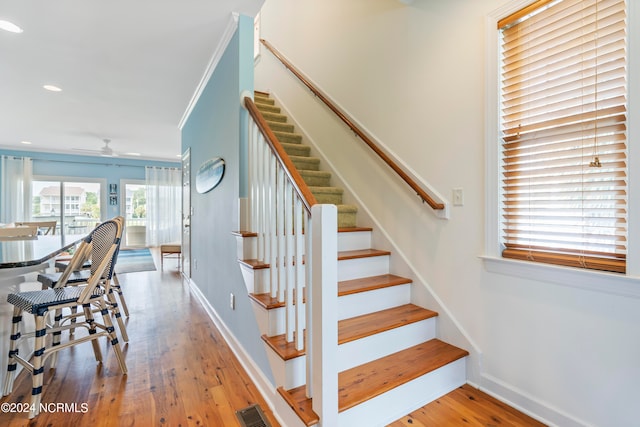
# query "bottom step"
(365, 382)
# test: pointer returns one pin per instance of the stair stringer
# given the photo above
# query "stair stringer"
(449, 328)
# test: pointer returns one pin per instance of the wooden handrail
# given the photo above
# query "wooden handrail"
(305, 194)
(397, 169)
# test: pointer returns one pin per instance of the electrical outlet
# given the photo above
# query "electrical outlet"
(232, 302)
(458, 197)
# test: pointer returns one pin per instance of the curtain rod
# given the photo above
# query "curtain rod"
(93, 163)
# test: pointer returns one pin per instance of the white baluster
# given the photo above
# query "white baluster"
(288, 222)
(282, 250)
(274, 261)
(299, 272)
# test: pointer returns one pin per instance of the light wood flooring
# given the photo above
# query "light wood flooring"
(182, 373)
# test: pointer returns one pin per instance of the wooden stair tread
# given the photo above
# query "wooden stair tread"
(353, 229)
(267, 301)
(361, 253)
(364, 284)
(286, 350)
(367, 381)
(243, 233)
(358, 327)
(254, 264)
(297, 399)
(380, 321)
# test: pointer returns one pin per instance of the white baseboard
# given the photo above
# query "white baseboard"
(265, 387)
(527, 404)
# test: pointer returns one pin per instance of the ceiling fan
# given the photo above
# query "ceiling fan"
(105, 151)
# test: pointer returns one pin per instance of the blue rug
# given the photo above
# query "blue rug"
(134, 260)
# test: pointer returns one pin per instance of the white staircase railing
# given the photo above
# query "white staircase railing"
(297, 237)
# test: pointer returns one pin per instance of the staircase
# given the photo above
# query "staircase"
(390, 359)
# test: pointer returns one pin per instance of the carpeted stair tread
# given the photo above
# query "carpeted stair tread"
(347, 216)
(267, 108)
(262, 99)
(306, 163)
(296, 149)
(330, 195)
(280, 127)
(274, 117)
(288, 137)
(347, 208)
(316, 178)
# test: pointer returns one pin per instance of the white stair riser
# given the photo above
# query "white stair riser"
(273, 321)
(354, 240)
(360, 351)
(245, 247)
(256, 281)
(379, 345)
(362, 267)
(287, 373)
(405, 398)
(368, 302)
(285, 415)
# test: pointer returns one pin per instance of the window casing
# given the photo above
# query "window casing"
(563, 129)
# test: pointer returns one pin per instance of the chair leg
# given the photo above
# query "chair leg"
(118, 288)
(113, 305)
(74, 312)
(88, 316)
(55, 341)
(13, 351)
(112, 336)
(38, 367)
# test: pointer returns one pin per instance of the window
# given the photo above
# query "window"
(563, 129)
(75, 205)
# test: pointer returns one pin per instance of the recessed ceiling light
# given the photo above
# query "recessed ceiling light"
(52, 88)
(132, 154)
(9, 26)
(25, 142)
(178, 155)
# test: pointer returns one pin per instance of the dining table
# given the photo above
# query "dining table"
(20, 262)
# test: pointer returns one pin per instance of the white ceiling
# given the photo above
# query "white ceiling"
(127, 70)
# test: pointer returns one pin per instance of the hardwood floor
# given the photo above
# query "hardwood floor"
(182, 373)
(469, 407)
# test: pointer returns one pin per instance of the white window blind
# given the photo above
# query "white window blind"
(563, 123)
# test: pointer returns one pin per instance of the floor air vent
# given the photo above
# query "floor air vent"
(252, 416)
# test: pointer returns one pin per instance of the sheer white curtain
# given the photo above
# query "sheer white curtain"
(15, 189)
(164, 205)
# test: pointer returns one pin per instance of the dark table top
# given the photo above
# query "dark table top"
(25, 253)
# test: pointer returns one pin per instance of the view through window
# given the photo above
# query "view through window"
(75, 206)
(134, 210)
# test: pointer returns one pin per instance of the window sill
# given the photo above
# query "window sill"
(609, 283)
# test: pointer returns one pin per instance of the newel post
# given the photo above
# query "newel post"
(323, 316)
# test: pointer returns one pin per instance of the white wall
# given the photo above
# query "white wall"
(414, 76)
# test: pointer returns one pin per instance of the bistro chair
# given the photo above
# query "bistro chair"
(43, 227)
(79, 269)
(104, 242)
(22, 232)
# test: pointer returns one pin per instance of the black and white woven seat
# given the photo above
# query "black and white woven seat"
(50, 280)
(103, 242)
(39, 302)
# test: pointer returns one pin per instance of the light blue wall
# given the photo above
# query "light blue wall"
(216, 128)
(112, 169)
